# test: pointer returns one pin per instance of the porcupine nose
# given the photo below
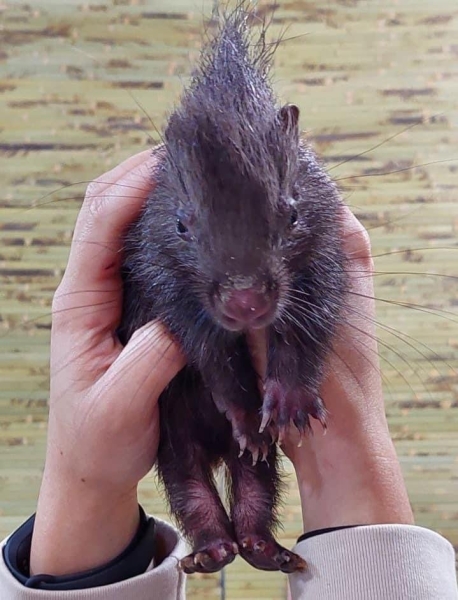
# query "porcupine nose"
(246, 306)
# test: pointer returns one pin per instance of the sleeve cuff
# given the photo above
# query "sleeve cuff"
(377, 562)
(315, 532)
(133, 561)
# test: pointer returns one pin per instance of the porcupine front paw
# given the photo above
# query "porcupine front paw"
(263, 552)
(284, 405)
(245, 430)
(210, 557)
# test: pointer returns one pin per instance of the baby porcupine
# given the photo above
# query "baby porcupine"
(240, 232)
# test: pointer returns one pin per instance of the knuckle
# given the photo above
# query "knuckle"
(95, 188)
(364, 241)
(95, 200)
(92, 189)
(59, 302)
(96, 206)
(357, 244)
(56, 303)
(360, 243)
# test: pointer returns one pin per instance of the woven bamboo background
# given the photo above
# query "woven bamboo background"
(71, 75)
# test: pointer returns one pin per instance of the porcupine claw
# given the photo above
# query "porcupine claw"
(211, 557)
(321, 414)
(266, 418)
(243, 441)
(255, 454)
(302, 423)
(281, 434)
(263, 552)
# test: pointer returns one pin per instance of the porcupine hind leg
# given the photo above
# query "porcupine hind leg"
(193, 438)
(254, 496)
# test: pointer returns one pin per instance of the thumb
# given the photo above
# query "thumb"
(147, 364)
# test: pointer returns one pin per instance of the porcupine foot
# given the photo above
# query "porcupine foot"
(263, 552)
(254, 499)
(283, 406)
(245, 430)
(210, 557)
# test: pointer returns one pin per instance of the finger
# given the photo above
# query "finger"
(356, 240)
(357, 248)
(104, 216)
(146, 365)
(91, 288)
(102, 182)
(353, 366)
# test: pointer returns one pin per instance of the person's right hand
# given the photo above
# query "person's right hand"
(351, 475)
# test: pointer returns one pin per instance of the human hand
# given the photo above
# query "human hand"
(351, 475)
(103, 429)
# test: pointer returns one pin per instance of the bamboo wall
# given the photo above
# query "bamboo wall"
(72, 77)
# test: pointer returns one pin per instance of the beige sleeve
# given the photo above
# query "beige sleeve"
(164, 582)
(379, 562)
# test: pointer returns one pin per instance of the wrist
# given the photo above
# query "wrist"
(351, 480)
(80, 527)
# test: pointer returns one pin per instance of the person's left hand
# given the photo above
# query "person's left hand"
(103, 430)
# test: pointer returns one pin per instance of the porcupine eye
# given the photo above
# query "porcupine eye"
(293, 217)
(181, 228)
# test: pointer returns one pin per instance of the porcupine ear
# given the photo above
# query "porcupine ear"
(289, 118)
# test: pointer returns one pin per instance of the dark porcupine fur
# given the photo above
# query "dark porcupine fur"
(239, 202)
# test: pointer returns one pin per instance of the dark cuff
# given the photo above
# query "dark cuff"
(133, 561)
(310, 534)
